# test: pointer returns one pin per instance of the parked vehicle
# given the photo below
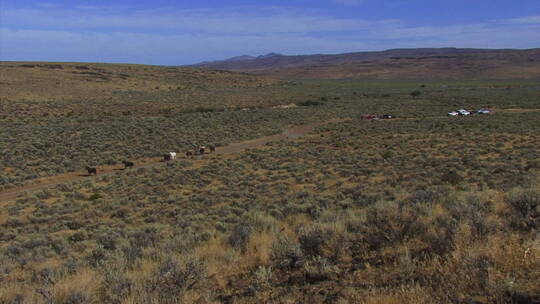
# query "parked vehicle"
(386, 116)
(484, 111)
(453, 113)
(463, 112)
(368, 117)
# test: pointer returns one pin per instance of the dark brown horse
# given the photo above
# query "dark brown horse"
(127, 164)
(167, 157)
(189, 154)
(202, 149)
(91, 170)
(212, 149)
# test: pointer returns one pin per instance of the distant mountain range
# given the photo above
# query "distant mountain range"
(238, 58)
(395, 63)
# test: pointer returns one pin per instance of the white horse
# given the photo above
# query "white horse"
(173, 155)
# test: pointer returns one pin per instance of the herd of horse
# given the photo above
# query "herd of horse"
(166, 157)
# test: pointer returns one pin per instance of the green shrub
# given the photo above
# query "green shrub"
(322, 240)
(452, 177)
(286, 253)
(262, 278)
(309, 103)
(525, 206)
(176, 275)
(239, 237)
(386, 224)
(115, 287)
(319, 269)
(108, 240)
(96, 258)
(416, 93)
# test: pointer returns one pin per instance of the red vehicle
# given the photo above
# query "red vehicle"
(368, 117)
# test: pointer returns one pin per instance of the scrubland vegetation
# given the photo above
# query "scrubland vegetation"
(420, 209)
(44, 138)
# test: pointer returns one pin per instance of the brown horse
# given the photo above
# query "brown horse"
(127, 164)
(91, 170)
(212, 149)
(167, 157)
(202, 149)
(189, 154)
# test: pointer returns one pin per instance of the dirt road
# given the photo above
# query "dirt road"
(51, 181)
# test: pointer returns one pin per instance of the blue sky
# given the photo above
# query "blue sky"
(170, 32)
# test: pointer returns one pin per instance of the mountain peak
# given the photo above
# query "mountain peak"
(269, 55)
(240, 58)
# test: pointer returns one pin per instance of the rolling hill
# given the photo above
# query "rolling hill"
(441, 63)
(54, 80)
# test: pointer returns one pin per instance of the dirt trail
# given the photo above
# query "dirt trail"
(51, 181)
(516, 110)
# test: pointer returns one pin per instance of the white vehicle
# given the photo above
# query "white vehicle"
(484, 111)
(453, 113)
(463, 112)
